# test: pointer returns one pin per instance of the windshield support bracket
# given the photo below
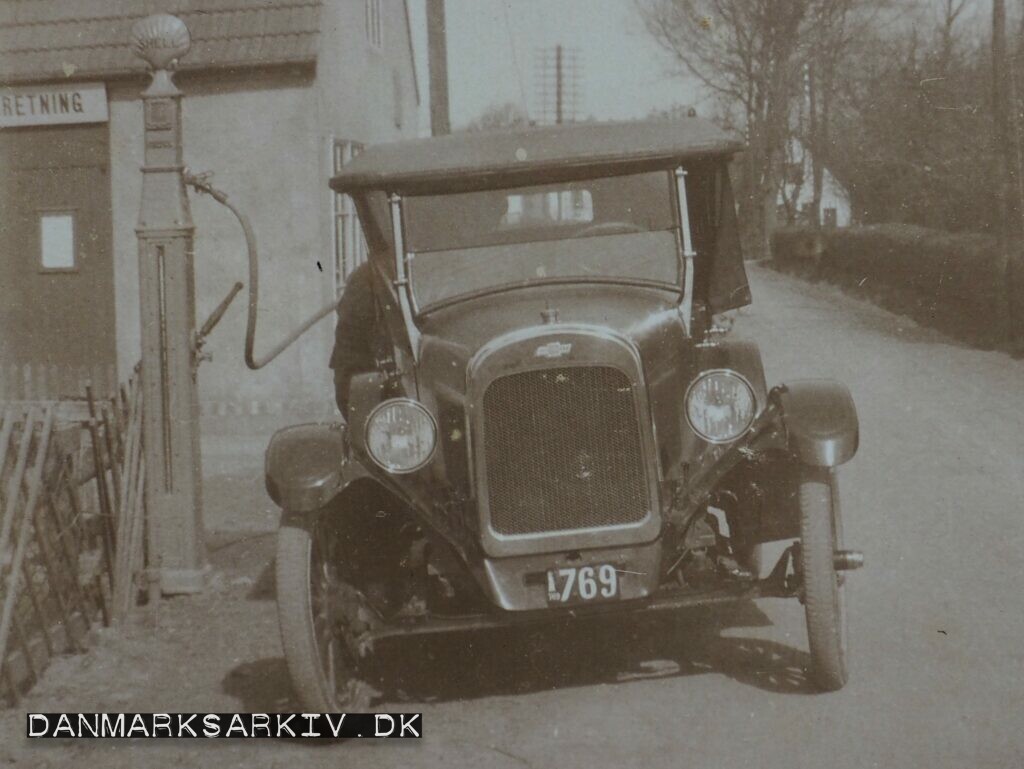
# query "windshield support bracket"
(686, 305)
(401, 281)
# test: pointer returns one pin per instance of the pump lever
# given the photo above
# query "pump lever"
(216, 315)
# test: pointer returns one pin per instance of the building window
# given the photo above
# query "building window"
(57, 240)
(374, 24)
(349, 243)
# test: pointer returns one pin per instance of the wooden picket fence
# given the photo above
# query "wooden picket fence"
(71, 531)
(50, 381)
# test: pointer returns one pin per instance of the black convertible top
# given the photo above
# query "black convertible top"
(468, 160)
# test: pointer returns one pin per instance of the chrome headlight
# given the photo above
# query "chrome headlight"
(720, 405)
(401, 435)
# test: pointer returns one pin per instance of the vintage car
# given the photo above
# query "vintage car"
(555, 426)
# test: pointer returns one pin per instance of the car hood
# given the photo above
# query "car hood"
(647, 319)
(454, 335)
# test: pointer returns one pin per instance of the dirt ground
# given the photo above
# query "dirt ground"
(934, 498)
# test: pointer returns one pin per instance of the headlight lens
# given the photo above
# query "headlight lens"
(401, 435)
(720, 406)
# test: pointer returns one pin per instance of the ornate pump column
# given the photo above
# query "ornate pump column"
(167, 298)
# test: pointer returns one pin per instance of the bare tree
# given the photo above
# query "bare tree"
(832, 32)
(762, 58)
(748, 53)
(500, 116)
(951, 11)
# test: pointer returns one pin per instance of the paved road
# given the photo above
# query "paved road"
(935, 498)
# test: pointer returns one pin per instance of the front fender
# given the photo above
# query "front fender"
(820, 421)
(306, 466)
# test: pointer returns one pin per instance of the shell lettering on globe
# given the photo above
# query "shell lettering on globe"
(160, 40)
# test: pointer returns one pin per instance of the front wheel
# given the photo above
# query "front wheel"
(312, 609)
(824, 600)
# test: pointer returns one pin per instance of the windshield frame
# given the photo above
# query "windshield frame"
(684, 248)
(676, 287)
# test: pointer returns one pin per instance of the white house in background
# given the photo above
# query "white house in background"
(798, 191)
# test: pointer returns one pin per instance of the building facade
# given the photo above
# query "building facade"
(277, 94)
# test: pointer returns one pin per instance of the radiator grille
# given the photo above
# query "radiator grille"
(563, 451)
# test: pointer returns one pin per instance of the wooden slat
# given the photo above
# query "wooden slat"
(35, 484)
(33, 598)
(64, 558)
(135, 552)
(108, 445)
(116, 423)
(12, 687)
(26, 649)
(67, 411)
(126, 539)
(103, 491)
(56, 578)
(6, 430)
(14, 484)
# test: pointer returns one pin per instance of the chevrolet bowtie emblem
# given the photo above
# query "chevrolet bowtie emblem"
(553, 350)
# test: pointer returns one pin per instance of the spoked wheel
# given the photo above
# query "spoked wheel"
(313, 604)
(824, 603)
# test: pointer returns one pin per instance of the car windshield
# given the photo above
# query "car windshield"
(620, 229)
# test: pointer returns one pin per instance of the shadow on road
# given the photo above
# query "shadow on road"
(469, 666)
(262, 686)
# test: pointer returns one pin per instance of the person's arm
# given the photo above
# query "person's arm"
(354, 333)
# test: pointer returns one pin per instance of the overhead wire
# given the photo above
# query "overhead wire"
(515, 60)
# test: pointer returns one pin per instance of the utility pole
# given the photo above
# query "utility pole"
(437, 55)
(559, 85)
(176, 556)
(1001, 113)
(1005, 165)
(557, 78)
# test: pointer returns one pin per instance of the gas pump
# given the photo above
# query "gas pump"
(171, 345)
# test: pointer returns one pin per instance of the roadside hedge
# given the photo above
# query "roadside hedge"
(953, 282)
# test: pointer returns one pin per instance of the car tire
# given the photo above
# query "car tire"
(323, 672)
(823, 588)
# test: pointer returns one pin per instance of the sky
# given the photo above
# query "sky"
(492, 46)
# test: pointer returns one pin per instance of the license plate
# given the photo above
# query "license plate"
(599, 582)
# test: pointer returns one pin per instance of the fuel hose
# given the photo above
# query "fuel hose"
(201, 184)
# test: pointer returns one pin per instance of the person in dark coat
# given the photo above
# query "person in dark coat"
(355, 334)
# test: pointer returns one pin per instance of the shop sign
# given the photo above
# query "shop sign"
(58, 104)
